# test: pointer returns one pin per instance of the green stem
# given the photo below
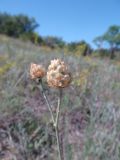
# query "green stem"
(56, 124)
(58, 143)
(47, 102)
(58, 107)
(54, 120)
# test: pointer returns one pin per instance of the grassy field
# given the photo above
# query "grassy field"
(90, 111)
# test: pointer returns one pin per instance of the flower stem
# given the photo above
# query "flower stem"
(47, 102)
(54, 120)
(58, 143)
(56, 124)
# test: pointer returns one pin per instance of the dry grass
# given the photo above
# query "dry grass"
(90, 115)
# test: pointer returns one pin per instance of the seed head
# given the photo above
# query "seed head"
(58, 75)
(36, 71)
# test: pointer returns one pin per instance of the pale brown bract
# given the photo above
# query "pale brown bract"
(37, 71)
(58, 75)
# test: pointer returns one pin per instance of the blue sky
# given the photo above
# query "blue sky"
(73, 20)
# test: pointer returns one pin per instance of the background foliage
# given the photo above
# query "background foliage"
(24, 27)
(90, 114)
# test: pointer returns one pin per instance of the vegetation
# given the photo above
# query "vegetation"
(53, 42)
(112, 37)
(90, 113)
(79, 48)
(17, 25)
(23, 27)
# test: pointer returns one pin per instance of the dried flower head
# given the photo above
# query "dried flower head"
(58, 75)
(36, 71)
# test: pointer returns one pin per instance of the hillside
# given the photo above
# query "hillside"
(90, 114)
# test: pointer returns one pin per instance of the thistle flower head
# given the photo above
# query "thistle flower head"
(58, 75)
(36, 71)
